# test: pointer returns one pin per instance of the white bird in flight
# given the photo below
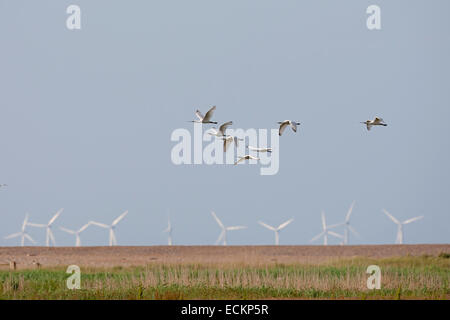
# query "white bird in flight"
(259, 149)
(227, 140)
(285, 123)
(221, 131)
(375, 122)
(246, 157)
(205, 118)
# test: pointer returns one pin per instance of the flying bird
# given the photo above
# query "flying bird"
(285, 123)
(246, 157)
(222, 129)
(259, 149)
(205, 118)
(227, 140)
(375, 122)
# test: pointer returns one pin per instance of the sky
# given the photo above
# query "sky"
(86, 118)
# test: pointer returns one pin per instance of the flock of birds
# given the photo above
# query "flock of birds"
(222, 239)
(229, 139)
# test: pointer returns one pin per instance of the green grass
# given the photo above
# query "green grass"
(423, 277)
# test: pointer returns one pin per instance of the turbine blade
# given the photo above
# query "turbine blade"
(84, 227)
(324, 224)
(337, 235)
(37, 225)
(29, 238)
(354, 231)
(55, 216)
(98, 224)
(391, 217)
(235, 228)
(221, 235)
(317, 237)
(25, 222)
(267, 226)
(120, 218)
(14, 235)
(349, 213)
(283, 225)
(412, 220)
(67, 230)
(217, 220)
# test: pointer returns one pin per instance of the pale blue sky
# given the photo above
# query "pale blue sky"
(86, 117)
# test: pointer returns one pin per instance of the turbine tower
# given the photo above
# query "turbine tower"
(76, 233)
(169, 232)
(347, 226)
(326, 231)
(399, 224)
(49, 234)
(112, 236)
(223, 234)
(277, 229)
(23, 234)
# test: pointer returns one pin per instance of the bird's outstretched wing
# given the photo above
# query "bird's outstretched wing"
(209, 114)
(283, 126)
(293, 126)
(240, 160)
(226, 143)
(199, 115)
(224, 126)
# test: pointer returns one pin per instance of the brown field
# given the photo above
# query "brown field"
(27, 257)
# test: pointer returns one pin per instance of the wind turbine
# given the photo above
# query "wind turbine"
(277, 229)
(112, 236)
(399, 239)
(49, 234)
(347, 225)
(169, 231)
(326, 231)
(23, 234)
(223, 234)
(76, 233)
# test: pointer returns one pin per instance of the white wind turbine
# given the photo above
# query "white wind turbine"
(277, 229)
(169, 231)
(326, 231)
(399, 224)
(112, 236)
(49, 234)
(223, 234)
(76, 233)
(347, 225)
(23, 234)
